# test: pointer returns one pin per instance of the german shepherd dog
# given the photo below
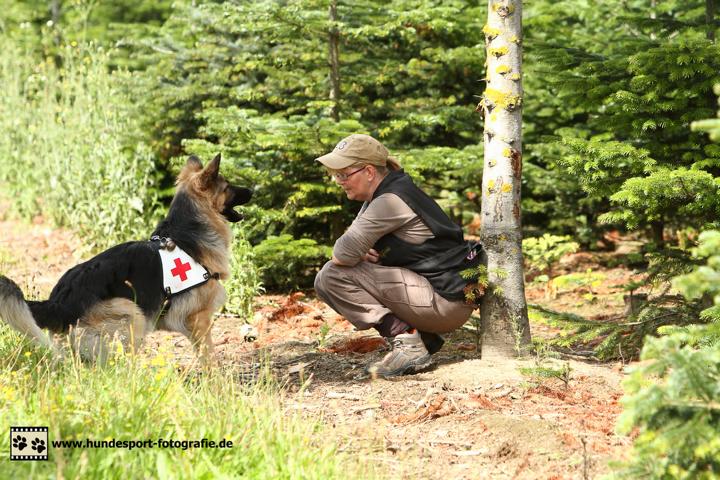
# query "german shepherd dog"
(120, 294)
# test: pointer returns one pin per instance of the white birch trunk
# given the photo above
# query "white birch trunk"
(506, 330)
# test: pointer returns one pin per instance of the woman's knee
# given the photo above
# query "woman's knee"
(321, 279)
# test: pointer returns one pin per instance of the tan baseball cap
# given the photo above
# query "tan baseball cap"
(358, 148)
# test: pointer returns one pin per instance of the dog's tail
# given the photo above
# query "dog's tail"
(15, 311)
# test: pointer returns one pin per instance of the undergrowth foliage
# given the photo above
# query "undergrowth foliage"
(541, 253)
(619, 338)
(289, 263)
(71, 149)
(608, 341)
(672, 397)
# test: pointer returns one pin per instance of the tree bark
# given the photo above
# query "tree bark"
(337, 225)
(505, 325)
(710, 19)
(658, 233)
(333, 41)
(653, 16)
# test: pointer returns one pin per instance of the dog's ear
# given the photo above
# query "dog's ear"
(210, 173)
(193, 163)
(192, 166)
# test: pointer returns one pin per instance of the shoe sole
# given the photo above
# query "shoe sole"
(418, 365)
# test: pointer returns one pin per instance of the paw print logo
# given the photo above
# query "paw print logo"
(20, 442)
(22, 437)
(38, 445)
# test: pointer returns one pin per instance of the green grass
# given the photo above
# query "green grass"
(137, 398)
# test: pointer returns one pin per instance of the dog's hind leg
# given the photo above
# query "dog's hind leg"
(115, 320)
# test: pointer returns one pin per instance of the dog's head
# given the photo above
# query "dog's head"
(207, 183)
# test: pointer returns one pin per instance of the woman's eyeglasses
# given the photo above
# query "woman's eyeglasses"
(342, 177)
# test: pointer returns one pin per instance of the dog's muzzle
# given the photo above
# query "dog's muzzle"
(238, 196)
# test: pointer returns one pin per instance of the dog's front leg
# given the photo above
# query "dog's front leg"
(200, 334)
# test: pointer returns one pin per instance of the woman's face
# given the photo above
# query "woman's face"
(356, 181)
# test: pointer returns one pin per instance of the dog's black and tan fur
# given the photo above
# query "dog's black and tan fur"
(119, 293)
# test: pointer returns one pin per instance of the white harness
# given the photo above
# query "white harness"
(180, 271)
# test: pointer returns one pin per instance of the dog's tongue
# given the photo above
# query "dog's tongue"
(232, 215)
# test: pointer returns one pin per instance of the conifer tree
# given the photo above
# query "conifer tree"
(672, 397)
(712, 126)
(633, 99)
(556, 35)
(49, 25)
(504, 310)
(254, 80)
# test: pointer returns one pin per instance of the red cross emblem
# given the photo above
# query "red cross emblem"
(180, 269)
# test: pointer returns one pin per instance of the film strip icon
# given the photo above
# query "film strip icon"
(29, 443)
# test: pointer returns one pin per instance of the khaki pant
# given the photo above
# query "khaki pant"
(365, 293)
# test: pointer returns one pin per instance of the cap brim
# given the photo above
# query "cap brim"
(335, 162)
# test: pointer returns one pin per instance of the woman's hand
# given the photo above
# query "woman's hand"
(372, 256)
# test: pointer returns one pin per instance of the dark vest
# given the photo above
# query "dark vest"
(439, 259)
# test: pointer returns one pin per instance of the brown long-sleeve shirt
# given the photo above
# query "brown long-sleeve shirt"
(385, 214)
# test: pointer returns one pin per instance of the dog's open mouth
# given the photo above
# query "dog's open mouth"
(239, 196)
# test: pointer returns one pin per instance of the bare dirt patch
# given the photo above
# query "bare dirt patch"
(466, 418)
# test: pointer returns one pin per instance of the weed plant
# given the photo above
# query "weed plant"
(245, 280)
(71, 149)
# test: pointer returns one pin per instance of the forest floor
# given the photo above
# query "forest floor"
(465, 418)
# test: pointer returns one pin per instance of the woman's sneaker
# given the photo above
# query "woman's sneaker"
(408, 355)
